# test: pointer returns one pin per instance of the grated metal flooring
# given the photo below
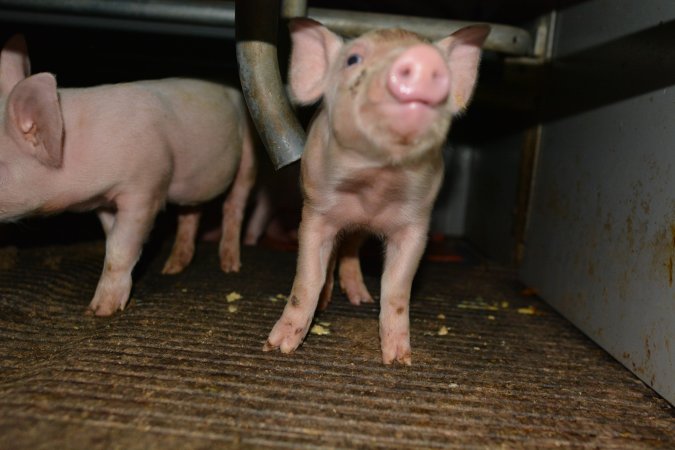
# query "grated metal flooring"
(183, 368)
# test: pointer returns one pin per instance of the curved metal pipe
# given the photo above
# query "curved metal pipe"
(256, 32)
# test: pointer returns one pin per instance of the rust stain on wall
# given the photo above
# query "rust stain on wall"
(662, 244)
(629, 233)
(672, 251)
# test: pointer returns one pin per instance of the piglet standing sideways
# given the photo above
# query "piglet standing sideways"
(372, 163)
(123, 150)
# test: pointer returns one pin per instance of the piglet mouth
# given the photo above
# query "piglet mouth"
(410, 119)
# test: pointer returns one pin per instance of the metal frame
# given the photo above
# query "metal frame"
(256, 32)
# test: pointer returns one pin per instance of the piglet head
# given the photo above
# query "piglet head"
(31, 129)
(390, 92)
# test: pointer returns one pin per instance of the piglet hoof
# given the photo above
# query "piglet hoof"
(285, 336)
(356, 292)
(397, 350)
(180, 257)
(229, 260)
(250, 240)
(358, 299)
(103, 310)
(109, 298)
(174, 266)
(230, 266)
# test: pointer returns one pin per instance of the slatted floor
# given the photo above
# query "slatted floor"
(183, 368)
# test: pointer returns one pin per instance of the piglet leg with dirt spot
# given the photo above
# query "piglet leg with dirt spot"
(315, 247)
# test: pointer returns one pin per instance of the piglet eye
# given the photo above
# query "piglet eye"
(354, 58)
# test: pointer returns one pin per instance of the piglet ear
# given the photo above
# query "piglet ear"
(14, 63)
(462, 50)
(314, 50)
(34, 118)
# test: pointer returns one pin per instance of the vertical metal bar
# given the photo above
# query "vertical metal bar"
(528, 163)
(542, 51)
(257, 24)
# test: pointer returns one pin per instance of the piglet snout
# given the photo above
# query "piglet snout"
(419, 75)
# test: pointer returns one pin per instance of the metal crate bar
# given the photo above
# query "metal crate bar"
(504, 39)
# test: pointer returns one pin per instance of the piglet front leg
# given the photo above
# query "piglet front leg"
(314, 252)
(133, 221)
(403, 254)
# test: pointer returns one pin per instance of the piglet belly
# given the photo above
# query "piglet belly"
(202, 185)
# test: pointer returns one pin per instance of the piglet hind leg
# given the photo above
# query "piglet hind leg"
(314, 252)
(124, 243)
(184, 246)
(404, 251)
(229, 249)
(350, 275)
(261, 216)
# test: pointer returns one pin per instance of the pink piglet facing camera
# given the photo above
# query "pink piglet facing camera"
(124, 150)
(372, 163)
